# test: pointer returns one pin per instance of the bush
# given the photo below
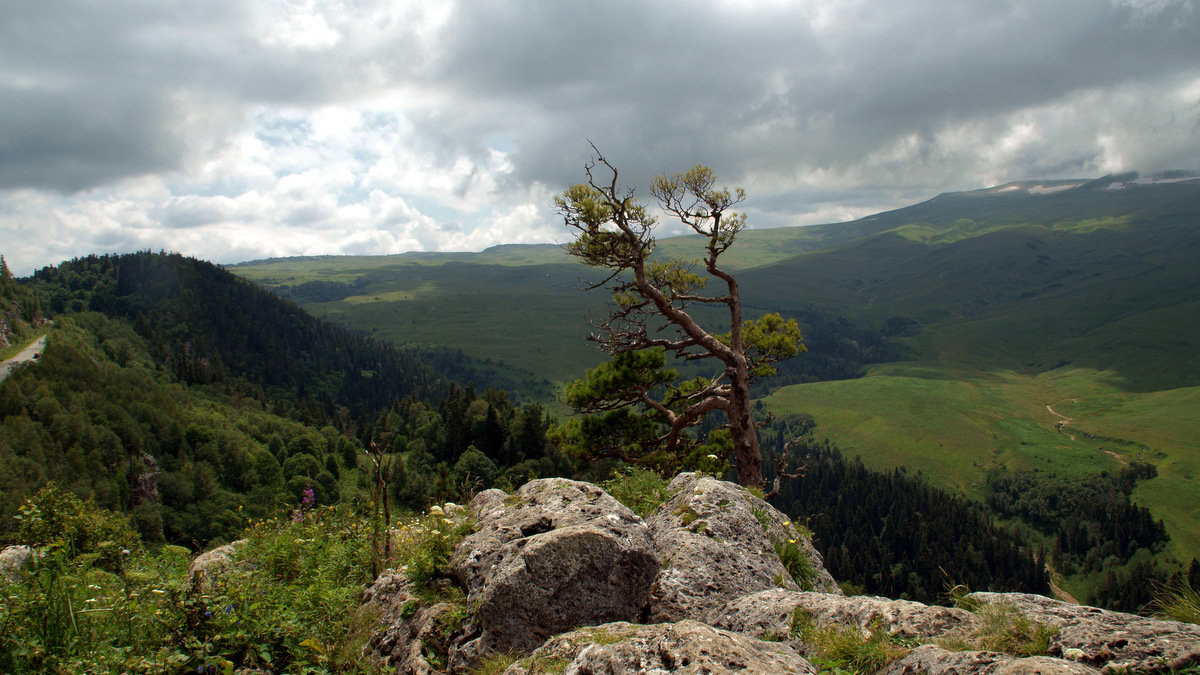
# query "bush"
(56, 518)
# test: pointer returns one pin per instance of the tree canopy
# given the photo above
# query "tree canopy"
(636, 408)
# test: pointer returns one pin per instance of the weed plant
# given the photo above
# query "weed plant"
(642, 490)
(1179, 602)
(844, 650)
(289, 602)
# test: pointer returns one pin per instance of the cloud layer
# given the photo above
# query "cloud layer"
(232, 129)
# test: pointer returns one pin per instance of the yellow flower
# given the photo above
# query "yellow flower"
(786, 523)
(791, 541)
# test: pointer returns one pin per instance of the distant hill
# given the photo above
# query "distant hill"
(1038, 325)
(993, 270)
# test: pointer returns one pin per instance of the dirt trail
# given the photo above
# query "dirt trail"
(1062, 423)
(1063, 420)
(26, 355)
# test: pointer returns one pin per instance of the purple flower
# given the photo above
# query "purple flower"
(309, 499)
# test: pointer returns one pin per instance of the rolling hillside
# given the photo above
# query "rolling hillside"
(1047, 326)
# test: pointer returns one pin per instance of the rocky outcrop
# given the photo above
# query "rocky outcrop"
(1113, 640)
(210, 564)
(718, 574)
(556, 555)
(933, 660)
(12, 559)
(414, 638)
(718, 542)
(683, 647)
(771, 613)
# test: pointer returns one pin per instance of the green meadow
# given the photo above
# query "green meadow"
(952, 424)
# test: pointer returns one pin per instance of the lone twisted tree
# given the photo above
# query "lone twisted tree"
(636, 409)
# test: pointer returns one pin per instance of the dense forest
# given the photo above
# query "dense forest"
(191, 400)
(893, 534)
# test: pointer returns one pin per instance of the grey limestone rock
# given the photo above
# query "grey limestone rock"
(209, 564)
(770, 613)
(1114, 641)
(933, 660)
(409, 635)
(683, 647)
(718, 542)
(12, 559)
(557, 555)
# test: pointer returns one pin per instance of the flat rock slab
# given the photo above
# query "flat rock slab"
(770, 613)
(933, 660)
(1114, 641)
(659, 649)
(556, 555)
(717, 543)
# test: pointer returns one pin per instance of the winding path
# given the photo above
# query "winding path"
(1063, 420)
(25, 356)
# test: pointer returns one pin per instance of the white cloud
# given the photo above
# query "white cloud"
(232, 129)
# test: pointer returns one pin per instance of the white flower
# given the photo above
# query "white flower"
(713, 457)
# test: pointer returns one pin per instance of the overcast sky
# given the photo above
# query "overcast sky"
(238, 129)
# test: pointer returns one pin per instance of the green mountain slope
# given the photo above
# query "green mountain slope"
(1078, 295)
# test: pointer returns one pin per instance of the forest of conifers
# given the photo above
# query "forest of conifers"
(191, 400)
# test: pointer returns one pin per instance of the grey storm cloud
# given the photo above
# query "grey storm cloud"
(816, 106)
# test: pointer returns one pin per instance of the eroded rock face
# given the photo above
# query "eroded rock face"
(683, 647)
(557, 555)
(1111, 640)
(933, 660)
(770, 613)
(718, 543)
(415, 639)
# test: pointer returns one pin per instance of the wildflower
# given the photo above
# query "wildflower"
(791, 541)
(94, 587)
(158, 591)
(712, 457)
(436, 510)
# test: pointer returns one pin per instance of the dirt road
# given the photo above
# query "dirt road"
(25, 356)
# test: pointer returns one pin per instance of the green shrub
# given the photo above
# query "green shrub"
(798, 564)
(640, 489)
(1179, 602)
(1006, 630)
(843, 649)
(57, 518)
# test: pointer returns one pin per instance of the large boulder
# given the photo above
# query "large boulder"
(771, 613)
(1114, 641)
(210, 564)
(683, 647)
(934, 660)
(718, 542)
(556, 555)
(12, 559)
